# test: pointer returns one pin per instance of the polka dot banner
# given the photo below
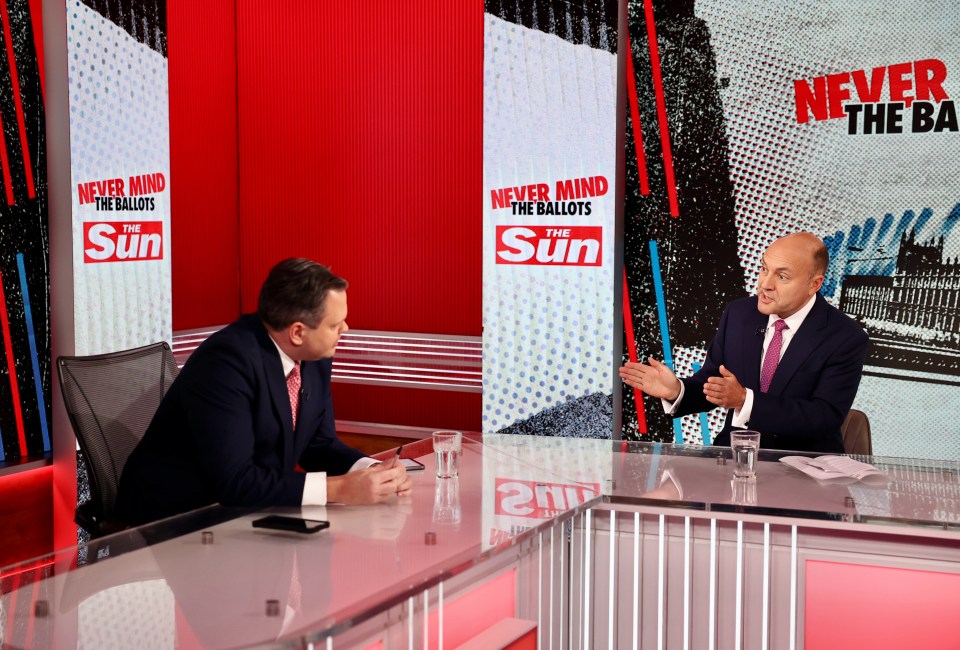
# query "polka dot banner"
(548, 289)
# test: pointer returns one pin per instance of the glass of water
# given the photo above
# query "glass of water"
(447, 446)
(745, 445)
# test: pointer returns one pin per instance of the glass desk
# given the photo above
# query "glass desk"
(569, 542)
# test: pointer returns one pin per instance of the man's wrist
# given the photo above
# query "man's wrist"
(676, 395)
(333, 488)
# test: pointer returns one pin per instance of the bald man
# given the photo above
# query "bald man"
(785, 362)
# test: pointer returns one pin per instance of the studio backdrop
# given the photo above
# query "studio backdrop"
(24, 240)
(549, 211)
(742, 123)
(746, 122)
(120, 168)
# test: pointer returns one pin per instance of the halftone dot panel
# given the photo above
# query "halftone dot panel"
(855, 190)
(684, 360)
(548, 116)
(118, 97)
(814, 176)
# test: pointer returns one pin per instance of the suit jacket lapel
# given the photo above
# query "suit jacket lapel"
(752, 349)
(801, 345)
(273, 372)
(306, 390)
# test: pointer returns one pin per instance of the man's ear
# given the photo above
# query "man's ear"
(295, 333)
(817, 281)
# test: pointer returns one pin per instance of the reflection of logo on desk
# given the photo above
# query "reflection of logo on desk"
(538, 500)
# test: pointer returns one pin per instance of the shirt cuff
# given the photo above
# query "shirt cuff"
(315, 489)
(671, 407)
(363, 463)
(741, 416)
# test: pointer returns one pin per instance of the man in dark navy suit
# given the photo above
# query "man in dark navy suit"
(252, 403)
(785, 363)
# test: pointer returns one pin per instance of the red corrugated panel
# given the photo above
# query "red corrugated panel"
(361, 147)
(409, 407)
(203, 162)
(26, 515)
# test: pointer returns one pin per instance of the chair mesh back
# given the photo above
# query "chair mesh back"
(111, 399)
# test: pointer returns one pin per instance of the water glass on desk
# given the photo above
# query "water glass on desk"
(745, 445)
(447, 446)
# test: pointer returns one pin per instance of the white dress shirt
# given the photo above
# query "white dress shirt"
(315, 486)
(741, 416)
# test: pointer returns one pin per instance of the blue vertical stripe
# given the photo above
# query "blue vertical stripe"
(664, 333)
(704, 423)
(28, 315)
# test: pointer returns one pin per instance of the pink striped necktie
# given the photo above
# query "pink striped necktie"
(772, 358)
(293, 390)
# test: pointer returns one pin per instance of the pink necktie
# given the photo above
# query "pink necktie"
(293, 390)
(772, 357)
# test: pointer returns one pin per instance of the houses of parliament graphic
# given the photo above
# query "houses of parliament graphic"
(913, 315)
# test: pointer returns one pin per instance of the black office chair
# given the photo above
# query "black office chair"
(856, 433)
(111, 399)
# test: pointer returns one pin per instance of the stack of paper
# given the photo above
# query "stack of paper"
(834, 467)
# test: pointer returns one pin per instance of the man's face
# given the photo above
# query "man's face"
(321, 341)
(786, 280)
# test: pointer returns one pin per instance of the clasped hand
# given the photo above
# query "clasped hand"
(725, 390)
(370, 485)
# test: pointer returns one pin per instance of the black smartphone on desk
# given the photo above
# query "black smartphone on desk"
(291, 524)
(412, 465)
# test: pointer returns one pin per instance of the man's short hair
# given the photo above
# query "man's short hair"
(821, 260)
(296, 290)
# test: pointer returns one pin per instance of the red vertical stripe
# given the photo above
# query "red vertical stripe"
(635, 117)
(5, 164)
(36, 11)
(12, 369)
(17, 100)
(632, 353)
(661, 110)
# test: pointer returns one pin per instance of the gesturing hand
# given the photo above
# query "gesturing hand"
(725, 390)
(656, 379)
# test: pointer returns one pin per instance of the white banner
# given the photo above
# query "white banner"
(120, 167)
(548, 231)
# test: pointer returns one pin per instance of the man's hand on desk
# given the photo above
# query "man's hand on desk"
(725, 390)
(370, 485)
(656, 379)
